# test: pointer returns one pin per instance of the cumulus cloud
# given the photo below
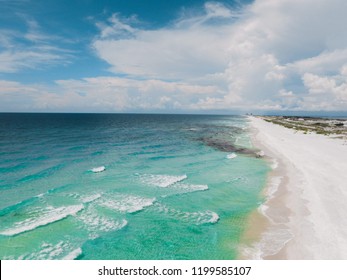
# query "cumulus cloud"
(264, 53)
(188, 48)
(105, 94)
(121, 94)
(283, 47)
(271, 55)
(328, 87)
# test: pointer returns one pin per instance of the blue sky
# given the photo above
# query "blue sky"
(188, 56)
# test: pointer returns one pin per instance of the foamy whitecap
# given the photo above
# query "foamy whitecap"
(162, 181)
(241, 179)
(180, 188)
(207, 217)
(197, 218)
(49, 251)
(201, 217)
(45, 217)
(98, 169)
(95, 223)
(127, 203)
(90, 198)
(73, 255)
(231, 156)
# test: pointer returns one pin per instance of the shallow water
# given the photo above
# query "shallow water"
(122, 186)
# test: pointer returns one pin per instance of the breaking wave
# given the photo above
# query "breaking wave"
(127, 203)
(197, 218)
(47, 216)
(162, 181)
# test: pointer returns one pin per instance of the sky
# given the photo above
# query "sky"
(179, 56)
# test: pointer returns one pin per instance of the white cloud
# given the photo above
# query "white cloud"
(216, 10)
(325, 62)
(263, 53)
(317, 84)
(15, 60)
(105, 94)
(285, 93)
(289, 46)
(31, 49)
(190, 48)
(272, 55)
(121, 94)
(15, 96)
(333, 88)
(116, 27)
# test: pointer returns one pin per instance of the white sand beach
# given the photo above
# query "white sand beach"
(306, 195)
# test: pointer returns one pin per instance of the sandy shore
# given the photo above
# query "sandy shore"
(306, 197)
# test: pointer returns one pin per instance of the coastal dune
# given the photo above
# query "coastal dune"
(306, 201)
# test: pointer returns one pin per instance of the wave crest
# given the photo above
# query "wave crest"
(127, 203)
(47, 216)
(162, 181)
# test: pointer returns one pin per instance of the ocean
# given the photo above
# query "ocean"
(126, 186)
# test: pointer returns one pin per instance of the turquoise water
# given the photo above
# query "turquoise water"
(168, 191)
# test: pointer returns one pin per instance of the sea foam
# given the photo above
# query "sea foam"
(272, 241)
(182, 188)
(270, 192)
(274, 163)
(48, 251)
(47, 216)
(127, 203)
(98, 169)
(95, 223)
(231, 156)
(90, 198)
(73, 255)
(191, 187)
(197, 218)
(162, 181)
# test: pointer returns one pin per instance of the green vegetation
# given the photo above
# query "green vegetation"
(311, 125)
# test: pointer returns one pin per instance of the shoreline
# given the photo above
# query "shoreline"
(264, 221)
(305, 197)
